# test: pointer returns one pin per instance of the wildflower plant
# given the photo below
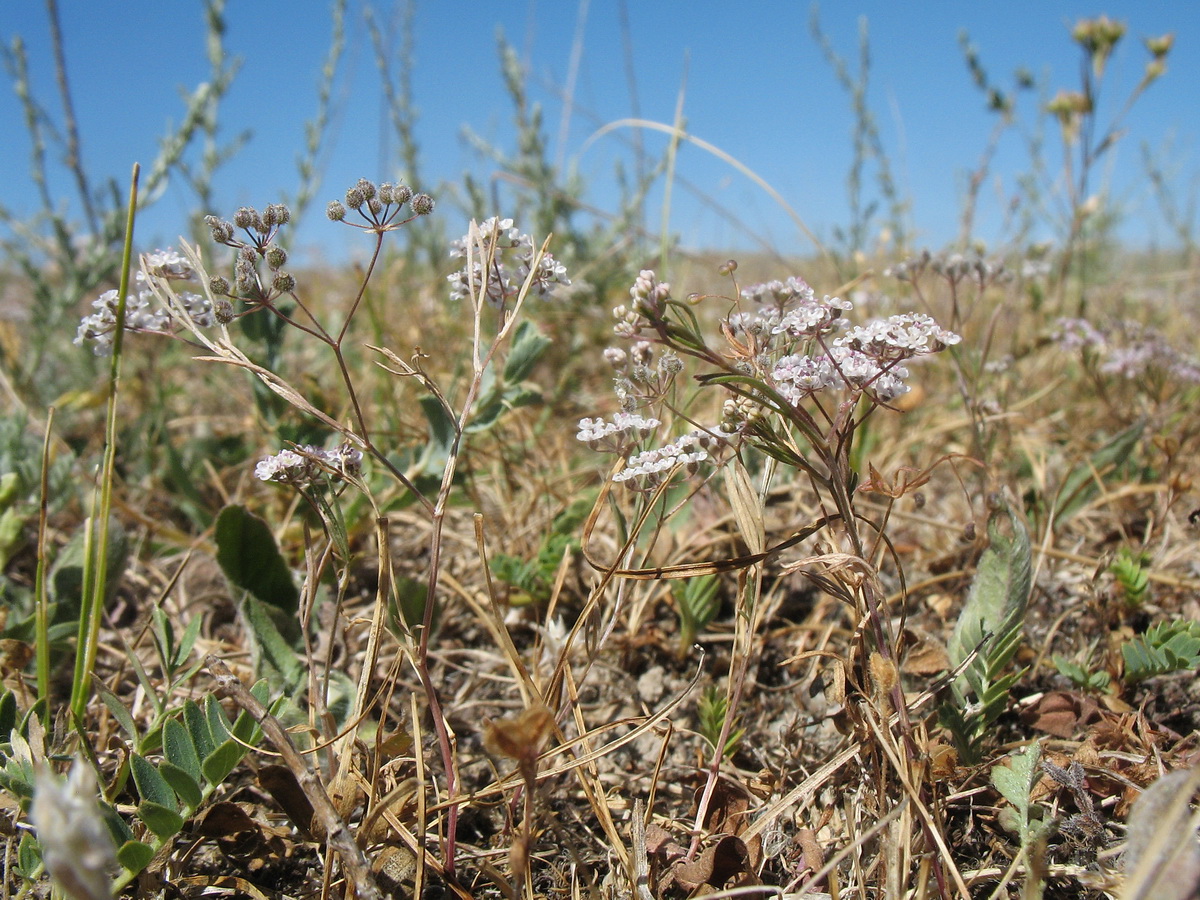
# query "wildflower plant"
(500, 268)
(796, 384)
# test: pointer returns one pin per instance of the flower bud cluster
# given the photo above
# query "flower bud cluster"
(381, 206)
(738, 414)
(509, 258)
(307, 464)
(142, 312)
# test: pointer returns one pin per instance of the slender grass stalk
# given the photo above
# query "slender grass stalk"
(42, 609)
(95, 568)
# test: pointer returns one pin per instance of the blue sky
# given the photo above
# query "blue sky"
(756, 86)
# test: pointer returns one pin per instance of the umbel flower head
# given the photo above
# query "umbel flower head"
(512, 259)
(307, 464)
(260, 230)
(142, 313)
(381, 207)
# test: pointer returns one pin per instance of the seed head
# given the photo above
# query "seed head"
(247, 217)
(222, 231)
(335, 211)
(284, 283)
(276, 214)
(367, 188)
(223, 310)
(219, 285)
(422, 204)
(276, 257)
(355, 197)
(401, 194)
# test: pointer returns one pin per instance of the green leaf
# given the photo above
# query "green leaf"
(179, 748)
(442, 434)
(187, 641)
(529, 345)
(218, 764)
(66, 576)
(148, 684)
(8, 714)
(198, 730)
(1165, 647)
(29, 856)
(999, 594)
(218, 723)
(152, 787)
(186, 787)
(995, 607)
(119, 712)
(251, 560)
(1083, 482)
(135, 856)
(161, 820)
(1015, 781)
(274, 651)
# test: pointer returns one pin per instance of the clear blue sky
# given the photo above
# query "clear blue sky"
(756, 86)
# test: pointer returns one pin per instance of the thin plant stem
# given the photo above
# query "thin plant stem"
(95, 575)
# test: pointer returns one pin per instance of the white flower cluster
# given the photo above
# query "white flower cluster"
(142, 313)
(865, 359)
(625, 430)
(1129, 349)
(811, 317)
(900, 337)
(307, 463)
(504, 282)
(650, 468)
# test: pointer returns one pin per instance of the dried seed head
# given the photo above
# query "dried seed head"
(335, 211)
(276, 214)
(247, 217)
(367, 188)
(284, 283)
(222, 231)
(276, 257)
(422, 204)
(355, 198)
(223, 310)
(219, 285)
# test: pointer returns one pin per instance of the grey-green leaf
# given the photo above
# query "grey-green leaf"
(151, 786)
(999, 594)
(135, 856)
(197, 726)
(250, 558)
(179, 748)
(161, 820)
(218, 764)
(183, 784)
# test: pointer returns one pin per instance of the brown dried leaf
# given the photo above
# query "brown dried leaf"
(281, 784)
(1062, 713)
(725, 861)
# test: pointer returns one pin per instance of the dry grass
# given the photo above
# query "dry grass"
(573, 715)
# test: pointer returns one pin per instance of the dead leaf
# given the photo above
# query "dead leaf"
(1062, 713)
